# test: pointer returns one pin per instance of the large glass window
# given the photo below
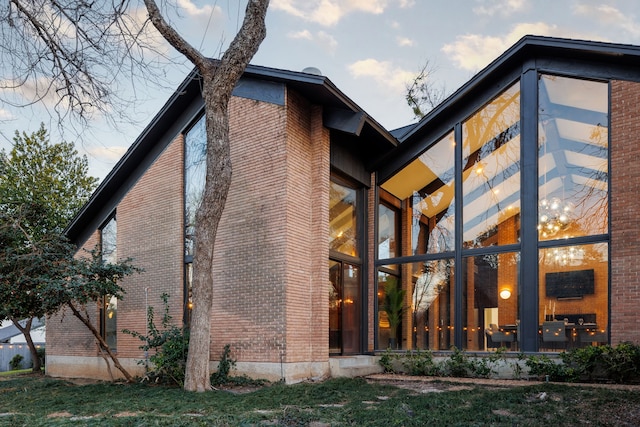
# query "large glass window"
(490, 312)
(479, 302)
(343, 220)
(572, 158)
(574, 302)
(491, 170)
(109, 306)
(415, 308)
(388, 234)
(195, 169)
(427, 185)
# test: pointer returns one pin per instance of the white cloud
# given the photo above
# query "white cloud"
(109, 154)
(193, 10)
(404, 41)
(502, 7)
(6, 115)
(406, 3)
(383, 73)
(475, 51)
(609, 15)
(304, 34)
(329, 12)
(324, 40)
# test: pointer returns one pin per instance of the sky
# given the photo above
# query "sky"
(370, 49)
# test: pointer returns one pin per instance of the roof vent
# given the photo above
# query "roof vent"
(312, 70)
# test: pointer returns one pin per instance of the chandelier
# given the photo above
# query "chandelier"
(567, 255)
(553, 217)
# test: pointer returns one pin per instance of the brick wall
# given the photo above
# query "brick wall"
(71, 337)
(625, 229)
(270, 269)
(149, 230)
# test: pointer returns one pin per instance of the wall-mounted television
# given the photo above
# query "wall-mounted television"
(570, 284)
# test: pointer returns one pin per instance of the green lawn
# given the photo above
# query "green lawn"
(37, 401)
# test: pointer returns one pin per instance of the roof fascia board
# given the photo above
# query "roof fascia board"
(527, 46)
(344, 120)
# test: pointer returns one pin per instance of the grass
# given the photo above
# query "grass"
(38, 401)
(16, 372)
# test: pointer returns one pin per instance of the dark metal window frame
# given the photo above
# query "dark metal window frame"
(528, 246)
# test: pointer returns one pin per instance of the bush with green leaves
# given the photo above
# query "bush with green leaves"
(225, 366)
(170, 346)
(16, 362)
(420, 362)
(458, 364)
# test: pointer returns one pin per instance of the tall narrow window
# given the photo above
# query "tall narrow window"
(109, 306)
(345, 297)
(195, 169)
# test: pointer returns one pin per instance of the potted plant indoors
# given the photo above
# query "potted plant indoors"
(393, 305)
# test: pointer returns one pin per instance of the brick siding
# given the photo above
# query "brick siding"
(625, 188)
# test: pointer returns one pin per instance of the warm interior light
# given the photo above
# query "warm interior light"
(505, 294)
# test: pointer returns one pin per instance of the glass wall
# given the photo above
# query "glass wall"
(491, 172)
(574, 296)
(426, 185)
(415, 307)
(345, 292)
(573, 153)
(491, 300)
(572, 202)
(468, 267)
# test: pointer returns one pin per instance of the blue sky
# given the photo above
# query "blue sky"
(371, 49)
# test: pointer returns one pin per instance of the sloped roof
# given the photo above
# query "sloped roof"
(618, 61)
(340, 114)
(525, 49)
(12, 330)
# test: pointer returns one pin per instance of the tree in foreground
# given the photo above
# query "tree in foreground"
(66, 50)
(42, 185)
(219, 77)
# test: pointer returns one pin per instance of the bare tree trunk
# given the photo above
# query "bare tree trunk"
(101, 342)
(26, 331)
(220, 77)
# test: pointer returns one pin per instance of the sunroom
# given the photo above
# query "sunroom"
(493, 216)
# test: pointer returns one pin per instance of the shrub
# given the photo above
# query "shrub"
(225, 366)
(169, 345)
(386, 361)
(16, 362)
(622, 363)
(542, 367)
(420, 363)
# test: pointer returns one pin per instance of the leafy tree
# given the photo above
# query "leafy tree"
(86, 283)
(42, 185)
